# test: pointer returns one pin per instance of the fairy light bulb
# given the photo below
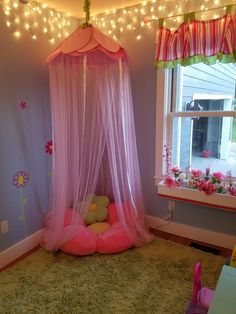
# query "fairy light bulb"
(142, 11)
(45, 30)
(15, 5)
(34, 37)
(8, 23)
(7, 12)
(17, 34)
(17, 20)
(138, 37)
(27, 26)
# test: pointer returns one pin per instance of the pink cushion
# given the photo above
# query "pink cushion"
(113, 215)
(84, 243)
(115, 240)
(205, 297)
(69, 215)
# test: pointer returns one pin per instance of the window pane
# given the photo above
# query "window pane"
(205, 141)
(206, 87)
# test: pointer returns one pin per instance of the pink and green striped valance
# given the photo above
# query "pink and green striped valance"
(197, 41)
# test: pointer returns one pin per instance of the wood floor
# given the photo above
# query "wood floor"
(190, 242)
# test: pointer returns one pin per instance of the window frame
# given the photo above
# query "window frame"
(167, 90)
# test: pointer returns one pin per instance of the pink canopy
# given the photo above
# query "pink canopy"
(94, 144)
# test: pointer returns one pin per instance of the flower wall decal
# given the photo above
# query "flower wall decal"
(22, 105)
(20, 179)
(49, 147)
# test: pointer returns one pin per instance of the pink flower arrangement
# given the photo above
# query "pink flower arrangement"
(208, 183)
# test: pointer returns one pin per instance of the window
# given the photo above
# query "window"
(196, 116)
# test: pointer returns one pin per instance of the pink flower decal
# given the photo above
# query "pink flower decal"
(22, 105)
(48, 147)
(20, 179)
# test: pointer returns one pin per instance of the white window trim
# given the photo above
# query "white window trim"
(163, 103)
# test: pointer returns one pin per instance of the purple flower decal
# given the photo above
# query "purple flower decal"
(20, 179)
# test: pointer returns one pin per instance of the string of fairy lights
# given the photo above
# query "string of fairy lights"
(37, 19)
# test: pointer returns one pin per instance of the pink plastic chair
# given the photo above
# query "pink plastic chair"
(202, 297)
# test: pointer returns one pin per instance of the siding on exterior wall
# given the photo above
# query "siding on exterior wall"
(217, 80)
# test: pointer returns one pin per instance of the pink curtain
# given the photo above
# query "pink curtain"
(94, 144)
(197, 41)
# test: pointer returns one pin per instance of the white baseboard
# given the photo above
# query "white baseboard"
(197, 234)
(12, 253)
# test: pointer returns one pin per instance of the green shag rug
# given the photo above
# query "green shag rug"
(156, 278)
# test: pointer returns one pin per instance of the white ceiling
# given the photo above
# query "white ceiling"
(75, 7)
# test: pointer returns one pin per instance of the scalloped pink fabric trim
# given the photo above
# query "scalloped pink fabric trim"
(85, 40)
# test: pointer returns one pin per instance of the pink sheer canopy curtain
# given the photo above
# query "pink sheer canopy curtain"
(93, 136)
(197, 41)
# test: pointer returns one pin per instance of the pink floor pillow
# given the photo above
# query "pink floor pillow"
(113, 215)
(84, 243)
(115, 240)
(72, 217)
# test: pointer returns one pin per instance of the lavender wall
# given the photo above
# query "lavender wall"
(24, 131)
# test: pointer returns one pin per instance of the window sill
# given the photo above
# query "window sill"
(197, 197)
